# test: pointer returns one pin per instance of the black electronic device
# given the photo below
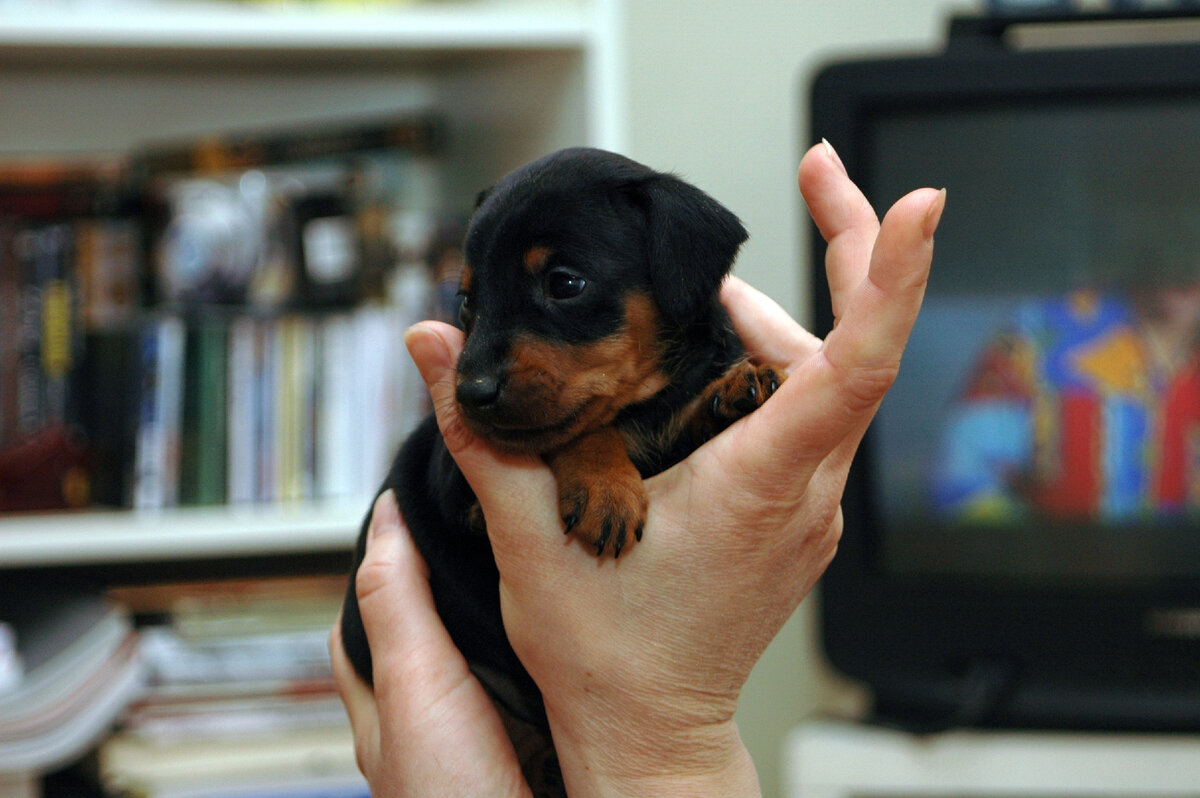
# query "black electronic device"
(1007, 560)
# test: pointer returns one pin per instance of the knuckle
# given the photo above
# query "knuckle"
(374, 575)
(863, 387)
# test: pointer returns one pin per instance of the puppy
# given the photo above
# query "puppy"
(594, 339)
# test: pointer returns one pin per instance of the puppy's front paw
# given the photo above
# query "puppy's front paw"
(601, 498)
(605, 510)
(740, 391)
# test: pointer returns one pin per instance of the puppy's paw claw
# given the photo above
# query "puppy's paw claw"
(604, 513)
(741, 391)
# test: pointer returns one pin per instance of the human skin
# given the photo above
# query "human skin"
(641, 660)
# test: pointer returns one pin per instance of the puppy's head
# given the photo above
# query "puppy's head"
(576, 264)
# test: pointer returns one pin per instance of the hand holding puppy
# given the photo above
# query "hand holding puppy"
(640, 661)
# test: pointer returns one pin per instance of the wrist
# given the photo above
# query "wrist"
(709, 761)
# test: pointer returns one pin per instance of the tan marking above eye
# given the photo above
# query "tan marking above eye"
(537, 258)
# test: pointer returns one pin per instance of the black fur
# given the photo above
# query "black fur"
(625, 228)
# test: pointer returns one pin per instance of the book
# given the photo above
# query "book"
(111, 370)
(240, 697)
(204, 437)
(156, 458)
(80, 668)
(11, 668)
(108, 267)
(20, 785)
(307, 762)
(242, 410)
(10, 332)
(46, 327)
(294, 409)
(338, 468)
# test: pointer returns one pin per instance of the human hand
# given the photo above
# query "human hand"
(428, 728)
(641, 660)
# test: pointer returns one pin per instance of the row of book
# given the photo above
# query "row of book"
(219, 408)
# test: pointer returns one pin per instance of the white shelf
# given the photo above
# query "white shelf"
(846, 760)
(229, 27)
(99, 537)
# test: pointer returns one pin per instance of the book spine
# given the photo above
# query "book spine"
(10, 332)
(156, 480)
(31, 403)
(337, 466)
(267, 380)
(204, 437)
(241, 410)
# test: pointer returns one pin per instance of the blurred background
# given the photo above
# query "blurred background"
(208, 210)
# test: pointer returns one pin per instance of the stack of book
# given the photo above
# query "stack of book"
(73, 665)
(251, 408)
(240, 698)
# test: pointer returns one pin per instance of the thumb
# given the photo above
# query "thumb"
(434, 348)
(516, 492)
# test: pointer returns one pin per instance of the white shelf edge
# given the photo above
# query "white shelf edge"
(829, 758)
(229, 27)
(115, 536)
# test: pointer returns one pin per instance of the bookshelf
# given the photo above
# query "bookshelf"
(510, 78)
(407, 30)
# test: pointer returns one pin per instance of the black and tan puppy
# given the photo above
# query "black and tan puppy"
(594, 339)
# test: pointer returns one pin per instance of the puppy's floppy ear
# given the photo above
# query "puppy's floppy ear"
(692, 241)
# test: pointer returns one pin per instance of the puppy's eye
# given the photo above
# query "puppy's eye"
(562, 284)
(466, 310)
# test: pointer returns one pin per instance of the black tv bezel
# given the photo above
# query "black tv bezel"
(946, 651)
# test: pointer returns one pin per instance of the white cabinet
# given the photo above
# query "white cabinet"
(844, 760)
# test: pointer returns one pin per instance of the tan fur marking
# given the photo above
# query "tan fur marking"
(594, 381)
(556, 392)
(537, 258)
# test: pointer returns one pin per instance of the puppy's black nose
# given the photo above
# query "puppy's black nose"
(478, 392)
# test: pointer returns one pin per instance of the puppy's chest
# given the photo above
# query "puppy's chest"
(656, 433)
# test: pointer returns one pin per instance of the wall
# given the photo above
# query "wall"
(718, 94)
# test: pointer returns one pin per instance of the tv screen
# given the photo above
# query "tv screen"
(1051, 390)
(1022, 541)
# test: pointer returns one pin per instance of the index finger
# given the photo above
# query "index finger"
(831, 394)
(843, 216)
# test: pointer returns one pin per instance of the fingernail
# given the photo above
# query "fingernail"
(429, 352)
(833, 156)
(933, 215)
(422, 338)
(385, 515)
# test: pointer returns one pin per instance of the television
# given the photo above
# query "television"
(1022, 524)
